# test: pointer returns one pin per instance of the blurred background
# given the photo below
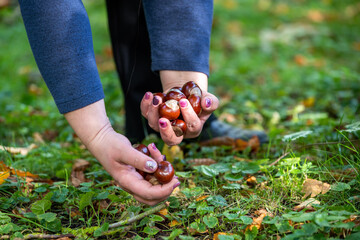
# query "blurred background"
(278, 66)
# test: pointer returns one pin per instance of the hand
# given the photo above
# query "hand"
(150, 107)
(117, 156)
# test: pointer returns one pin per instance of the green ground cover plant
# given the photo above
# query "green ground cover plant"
(290, 68)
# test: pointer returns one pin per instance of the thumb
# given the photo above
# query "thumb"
(139, 160)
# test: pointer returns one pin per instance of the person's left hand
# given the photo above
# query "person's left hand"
(150, 110)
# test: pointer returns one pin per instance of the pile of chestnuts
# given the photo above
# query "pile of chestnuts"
(164, 172)
(169, 108)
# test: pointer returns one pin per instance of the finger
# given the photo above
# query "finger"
(191, 119)
(145, 189)
(146, 103)
(155, 152)
(167, 133)
(138, 160)
(153, 113)
(209, 103)
(149, 202)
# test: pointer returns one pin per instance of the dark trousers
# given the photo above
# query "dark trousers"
(131, 49)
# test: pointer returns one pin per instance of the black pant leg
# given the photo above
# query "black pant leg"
(131, 49)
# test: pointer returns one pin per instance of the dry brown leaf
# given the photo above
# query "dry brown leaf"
(202, 198)
(254, 143)
(257, 221)
(191, 183)
(201, 161)
(307, 205)
(219, 141)
(315, 15)
(241, 145)
(300, 60)
(314, 187)
(18, 150)
(77, 173)
(38, 138)
(3, 176)
(176, 192)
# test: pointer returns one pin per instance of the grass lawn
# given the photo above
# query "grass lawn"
(290, 68)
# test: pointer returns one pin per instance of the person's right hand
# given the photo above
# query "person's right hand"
(117, 156)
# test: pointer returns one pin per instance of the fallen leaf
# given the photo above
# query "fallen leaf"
(77, 173)
(257, 221)
(191, 184)
(202, 198)
(164, 212)
(307, 205)
(38, 138)
(309, 102)
(172, 153)
(254, 144)
(251, 181)
(315, 16)
(201, 161)
(219, 141)
(4, 176)
(314, 187)
(241, 145)
(174, 223)
(300, 60)
(18, 150)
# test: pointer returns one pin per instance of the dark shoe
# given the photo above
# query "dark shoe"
(220, 129)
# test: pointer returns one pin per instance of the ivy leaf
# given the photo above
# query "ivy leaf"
(151, 230)
(207, 170)
(217, 201)
(210, 221)
(85, 200)
(40, 206)
(246, 220)
(233, 177)
(340, 187)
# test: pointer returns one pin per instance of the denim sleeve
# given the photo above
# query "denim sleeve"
(179, 32)
(60, 37)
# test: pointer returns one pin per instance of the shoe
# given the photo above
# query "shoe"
(219, 129)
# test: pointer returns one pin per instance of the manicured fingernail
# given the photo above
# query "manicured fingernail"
(176, 185)
(147, 95)
(153, 146)
(176, 177)
(183, 103)
(208, 102)
(150, 165)
(155, 101)
(164, 157)
(162, 123)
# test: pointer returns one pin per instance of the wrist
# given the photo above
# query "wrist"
(170, 79)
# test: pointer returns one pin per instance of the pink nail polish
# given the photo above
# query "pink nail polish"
(183, 103)
(176, 185)
(153, 146)
(162, 123)
(208, 102)
(147, 95)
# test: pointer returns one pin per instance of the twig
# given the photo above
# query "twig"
(41, 236)
(140, 216)
(281, 157)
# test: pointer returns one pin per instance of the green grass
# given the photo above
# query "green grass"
(280, 66)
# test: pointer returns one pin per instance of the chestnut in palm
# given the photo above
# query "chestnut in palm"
(165, 172)
(191, 88)
(179, 127)
(169, 109)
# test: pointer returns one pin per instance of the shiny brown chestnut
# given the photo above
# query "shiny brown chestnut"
(169, 109)
(195, 102)
(160, 95)
(179, 127)
(191, 88)
(165, 172)
(174, 94)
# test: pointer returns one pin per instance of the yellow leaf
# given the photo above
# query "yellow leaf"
(309, 102)
(315, 15)
(173, 223)
(257, 221)
(164, 212)
(314, 187)
(172, 153)
(202, 198)
(3, 176)
(18, 150)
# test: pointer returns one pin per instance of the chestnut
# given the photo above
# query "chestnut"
(195, 102)
(179, 127)
(169, 109)
(191, 88)
(160, 95)
(174, 94)
(142, 148)
(165, 172)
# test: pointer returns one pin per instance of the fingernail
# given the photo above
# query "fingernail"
(183, 103)
(176, 185)
(147, 95)
(208, 102)
(150, 165)
(176, 177)
(164, 157)
(155, 101)
(153, 146)
(162, 123)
